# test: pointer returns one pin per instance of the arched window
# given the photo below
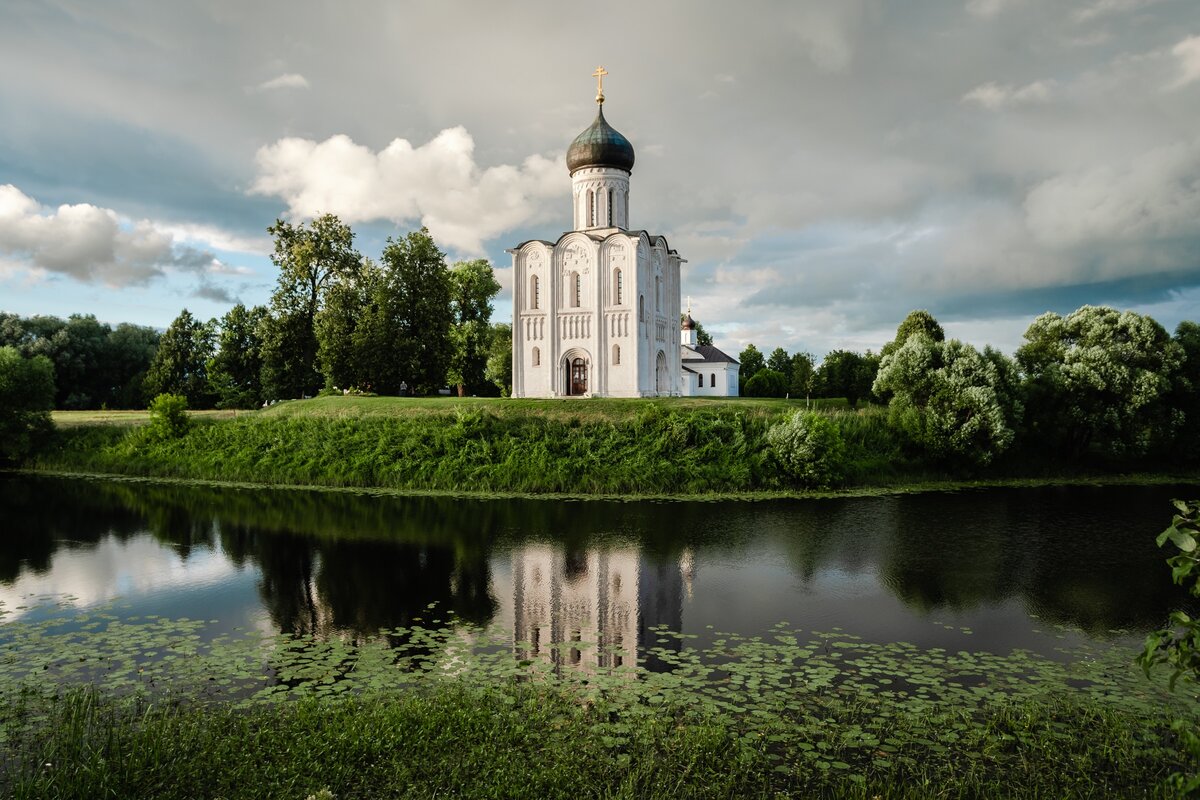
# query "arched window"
(617, 287)
(535, 294)
(537, 357)
(610, 216)
(616, 359)
(576, 290)
(641, 308)
(712, 380)
(591, 209)
(658, 294)
(700, 381)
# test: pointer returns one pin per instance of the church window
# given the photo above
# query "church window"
(641, 308)
(658, 294)
(591, 209)
(610, 216)
(534, 292)
(712, 380)
(616, 359)
(700, 381)
(617, 285)
(537, 357)
(576, 290)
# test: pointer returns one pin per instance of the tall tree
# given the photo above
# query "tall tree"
(751, 361)
(419, 289)
(1098, 381)
(472, 287)
(235, 371)
(129, 354)
(345, 350)
(499, 364)
(26, 397)
(847, 374)
(310, 258)
(917, 322)
(779, 361)
(801, 373)
(180, 364)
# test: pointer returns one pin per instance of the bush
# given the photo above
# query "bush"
(767, 383)
(168, 417)
(26, 397)
(809, 449)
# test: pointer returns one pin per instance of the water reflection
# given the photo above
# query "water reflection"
(601, 573)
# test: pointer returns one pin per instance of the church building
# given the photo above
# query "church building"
(707, 371)
(595, 313)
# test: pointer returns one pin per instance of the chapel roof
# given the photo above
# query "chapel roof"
(708, 355)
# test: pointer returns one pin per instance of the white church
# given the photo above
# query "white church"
(596, 313)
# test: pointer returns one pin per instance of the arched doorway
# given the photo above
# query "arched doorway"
(662, 384)
(575, 369)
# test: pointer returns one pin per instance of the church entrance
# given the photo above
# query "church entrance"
(579, 376)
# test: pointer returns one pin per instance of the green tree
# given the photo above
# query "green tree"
(130, 352)
(168, 417)
(347, 349)
(421, 294)
(1098, 382)
(499, 363)
(235, 371)
(954, 401)
(751, 361)
(917, 322)
(180, 364)
(809, 449)
(801, 375)
(1185, 396)
(472, 287)
(310, 258)
(26, 398)
(847, 374)
(779, 361)
(767, 383)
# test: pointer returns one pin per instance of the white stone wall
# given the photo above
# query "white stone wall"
(601, 198)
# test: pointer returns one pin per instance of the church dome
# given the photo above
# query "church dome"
(601, 145)
(688, 323)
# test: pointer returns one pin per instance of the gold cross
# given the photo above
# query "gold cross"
(599, 76)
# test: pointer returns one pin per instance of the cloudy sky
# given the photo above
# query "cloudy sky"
(825, 167)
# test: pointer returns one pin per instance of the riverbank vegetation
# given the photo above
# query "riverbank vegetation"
(451, 709)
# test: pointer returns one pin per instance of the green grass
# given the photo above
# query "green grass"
(579, 447)
(125, 417)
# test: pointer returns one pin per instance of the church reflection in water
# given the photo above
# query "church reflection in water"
(596, 608)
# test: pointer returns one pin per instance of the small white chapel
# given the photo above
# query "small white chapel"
(596, 313)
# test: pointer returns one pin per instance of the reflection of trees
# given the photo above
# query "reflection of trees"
(42, 516)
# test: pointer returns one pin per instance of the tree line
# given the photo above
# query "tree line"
(409, 322)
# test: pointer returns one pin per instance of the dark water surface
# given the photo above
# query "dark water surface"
(983, 570)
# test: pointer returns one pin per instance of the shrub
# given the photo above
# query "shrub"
(168, 417)
(809, 449)
(767, 383)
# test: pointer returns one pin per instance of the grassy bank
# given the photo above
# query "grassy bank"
(680, 447)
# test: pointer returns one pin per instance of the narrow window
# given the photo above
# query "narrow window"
(578, 288)
(658, 294)
(537, 357)
(610, 216)
(617, 285)
(591, 209)
(700, 381)
(712, 380)
(641, 308)
(616, 360)
(534, 292)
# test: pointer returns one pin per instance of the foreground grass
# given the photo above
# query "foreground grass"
(535, 741)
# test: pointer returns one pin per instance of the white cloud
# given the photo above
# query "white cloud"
(438, 183)
(89, 243)
(290, 80)
(990, 8)
(1102, 8)
(994, 96)
(1188, 53)
(1152, 197)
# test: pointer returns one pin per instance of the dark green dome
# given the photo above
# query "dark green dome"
(600, 145)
